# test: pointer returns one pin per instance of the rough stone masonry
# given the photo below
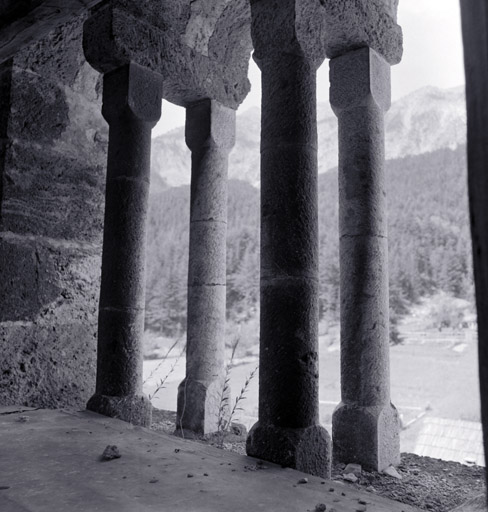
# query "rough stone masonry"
(52, 158)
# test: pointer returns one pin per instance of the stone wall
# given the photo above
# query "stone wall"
(52, 158)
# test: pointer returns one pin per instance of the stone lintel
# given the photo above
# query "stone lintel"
(134, 90)
(358, 78)
(156, 38)
(353, 24)
(288, 26)
(210, 124)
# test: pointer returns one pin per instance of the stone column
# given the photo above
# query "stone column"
(288, 430)
(365, 425)
(475, 40)
(132, 98)
(210, 135)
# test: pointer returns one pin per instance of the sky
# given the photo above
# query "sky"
(432, 55)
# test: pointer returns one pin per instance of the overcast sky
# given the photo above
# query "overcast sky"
(432, 56)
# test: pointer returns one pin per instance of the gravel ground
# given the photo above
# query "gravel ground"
(430, 484)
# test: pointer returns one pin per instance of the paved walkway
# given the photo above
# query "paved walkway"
(50, 462)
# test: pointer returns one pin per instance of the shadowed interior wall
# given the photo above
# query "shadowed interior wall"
(474, 17)
(52, 159)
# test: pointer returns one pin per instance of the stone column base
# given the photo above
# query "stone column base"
(369, 436)
(198, 406)
(135, 409)
(305, 449)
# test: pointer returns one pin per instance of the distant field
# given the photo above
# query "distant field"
(432, 370)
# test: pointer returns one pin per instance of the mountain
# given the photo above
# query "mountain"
(170, 160)
(424, 121)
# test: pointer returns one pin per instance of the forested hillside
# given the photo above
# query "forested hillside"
(429, 241)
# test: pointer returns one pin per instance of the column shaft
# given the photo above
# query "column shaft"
(131, 106)
(288, 431)
(289, 247)
(210, 134)
(365, 424)
(363, 249)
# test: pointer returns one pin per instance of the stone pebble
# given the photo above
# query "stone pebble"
(111, 452)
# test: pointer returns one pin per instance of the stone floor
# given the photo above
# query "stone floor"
(51, 461)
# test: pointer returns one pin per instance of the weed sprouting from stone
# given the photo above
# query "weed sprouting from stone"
(241, 396)
(162, 381)
(163, 359)
(224, 419)
(224, 396)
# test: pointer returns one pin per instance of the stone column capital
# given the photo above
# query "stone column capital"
(210, 124)
(118, 33)
(132, 90)
(353, 24)
(295, 27)
(200, 48)
(358, 79)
